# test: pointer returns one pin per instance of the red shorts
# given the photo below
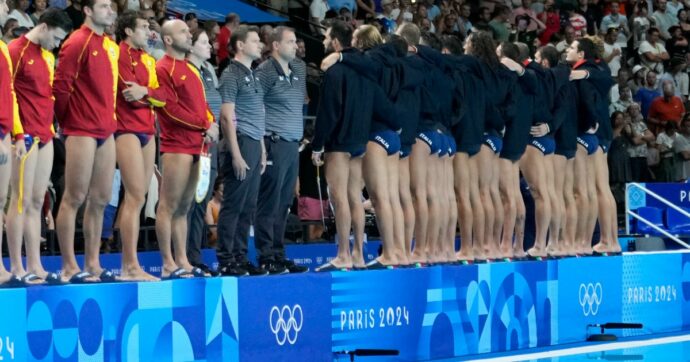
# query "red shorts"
(308, 209)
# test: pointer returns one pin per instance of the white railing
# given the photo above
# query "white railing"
(647, 222)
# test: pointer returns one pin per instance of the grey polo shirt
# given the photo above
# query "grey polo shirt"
(283, 98)
(208, 77)
(239, 85)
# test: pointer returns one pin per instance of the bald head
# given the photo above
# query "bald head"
(177, 38)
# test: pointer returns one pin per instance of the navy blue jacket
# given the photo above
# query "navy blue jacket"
(529, 95)
(348, 103)
(593, 99)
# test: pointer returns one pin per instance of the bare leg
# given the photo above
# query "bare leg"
(355, 183)
(462, 171)
(507, 187)
(176, 171)
(407, 206)
(15, 220)
(179, 220)
(337, 176)
(136, 166)
(478, 210)
(435, 206)
(532, 166)
(419, 160)
(5, 172)
(80, 155)
(520, 215)
(452, 210)
(498, 209)
(34, 206)
(571, 209)
(375, 171)
(393, 165)
(485, 159)
(607, 207)
(556, 207)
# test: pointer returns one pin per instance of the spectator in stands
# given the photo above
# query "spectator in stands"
(75, 13)
(499, 24)
(639, 135)
(232, 21)
(340, 4)
(464, 23)
(8, 30)
(624, 100)
(664, 143)
(640, 24)
(4, 11)
(683, 22)
(578, 22)
(612, 50)
(20, 13)
(433, 11)
(676, 73)
(569, 35)
(681, 147)
(154, 44)
(40, 7)
(663, 19)
(622, 79)
(535, 24)
(677, 46)
(192, 22)
(618, 22)
(483, 19)
(653, 52)
(592, 15)
(639, 78)
(312, 203)
(552, 20)
(648, 93)
(317, 14)
(673, 7)
(161, 9)
(666, 108)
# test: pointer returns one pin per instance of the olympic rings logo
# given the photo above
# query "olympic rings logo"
(590, 297)
(286, 323)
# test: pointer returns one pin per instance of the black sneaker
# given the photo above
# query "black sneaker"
(292, 267)
(275, 268)
(253, 270)
(233, 270)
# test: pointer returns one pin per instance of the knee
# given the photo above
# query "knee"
(74, 199)
(135, 198)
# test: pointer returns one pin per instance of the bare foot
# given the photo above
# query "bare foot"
(537, 252)
(5, 276)
(137, 274)
(419, 257)
(66, 275)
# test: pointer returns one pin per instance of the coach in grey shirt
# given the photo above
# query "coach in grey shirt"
(243, 122)
(283, 97)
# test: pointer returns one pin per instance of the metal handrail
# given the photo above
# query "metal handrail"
(647, 222)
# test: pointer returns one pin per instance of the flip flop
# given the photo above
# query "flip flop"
(207, 270)
(537, 258)
(53, 279)
(179, 273)
(108, 277)
(26, 280)
(329, 267)
(80, 278)
(377, 265)
(13, 282)
(606, 253)
(199, 273)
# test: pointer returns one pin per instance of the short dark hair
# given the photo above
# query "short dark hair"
(431, 40)
(398, 43)
(588, 47)
(452, 44)
(87, 4)
(56, 18)
(231, 18)
(510, 50)
(128, 20)
(196, 34)
(277, 33)
(653, 30)
(341, 31)
(190, 16)
(240, 34)
(551, 55)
